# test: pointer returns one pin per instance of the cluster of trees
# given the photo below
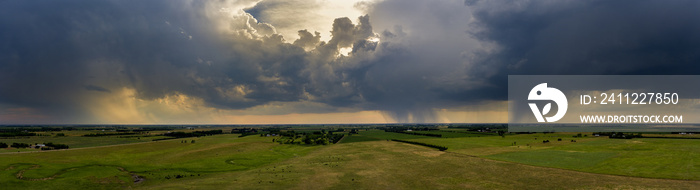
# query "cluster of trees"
(322, 137)
(28, 129)
(319, 141)
(16, 134)
(441, 148)
(245, 131)
(20, 145)
(619, 135)
(479, 127)
(194, 134)
(51, 146)
(48, 146)
(416, 133)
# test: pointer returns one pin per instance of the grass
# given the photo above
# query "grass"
(655, 158)
(394, 165)
(365, 161)
(643, 157)
(156, 161)
(374, 135)
(357, 138)
(73, 141)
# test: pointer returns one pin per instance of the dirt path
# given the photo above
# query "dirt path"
(137, 178)
(20, 174)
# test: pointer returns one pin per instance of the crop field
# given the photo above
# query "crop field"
(367, 160)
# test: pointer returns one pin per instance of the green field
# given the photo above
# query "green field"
(365, 161)
(74, 141)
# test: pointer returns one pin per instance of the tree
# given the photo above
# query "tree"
(3, 145)
(56, 145)
(322, 141)
(501, 133)
(308, 140)
(19, 145)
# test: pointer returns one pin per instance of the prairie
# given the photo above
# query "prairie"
(366, 161)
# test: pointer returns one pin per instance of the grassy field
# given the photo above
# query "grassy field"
(642, 157)
(365, 161)
(158, 162)
(656, 158)
(73, 141)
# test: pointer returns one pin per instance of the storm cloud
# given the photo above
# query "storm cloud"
(404, 58)
(589, 37)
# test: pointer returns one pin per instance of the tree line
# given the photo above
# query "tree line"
(441, 148)
(47, 146)
(193, 134)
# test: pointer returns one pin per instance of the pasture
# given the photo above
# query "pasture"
(365, 160)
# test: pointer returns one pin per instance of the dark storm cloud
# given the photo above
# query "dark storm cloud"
(38, 66)
(50, 49)
(588, 37)
(521, 37)
(525, 37)
(430, 54)
(97, 88)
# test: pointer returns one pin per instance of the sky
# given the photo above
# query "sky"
(318, 61)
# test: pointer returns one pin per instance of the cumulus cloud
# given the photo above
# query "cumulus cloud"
(225, 57)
